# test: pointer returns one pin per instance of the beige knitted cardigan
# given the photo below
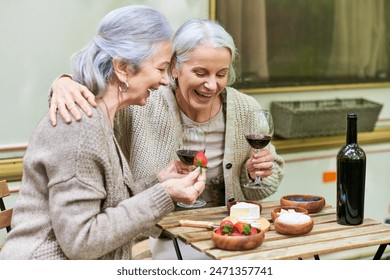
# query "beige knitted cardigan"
(77, 199)
(147, 136)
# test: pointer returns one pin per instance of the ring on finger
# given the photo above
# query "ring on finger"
(70, 107)
(195, 188)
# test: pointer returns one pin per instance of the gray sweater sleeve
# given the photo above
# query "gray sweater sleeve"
(91, 233)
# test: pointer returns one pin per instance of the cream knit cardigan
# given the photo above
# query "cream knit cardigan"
(148, 136)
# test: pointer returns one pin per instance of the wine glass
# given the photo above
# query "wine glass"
(258, 131)
(191, 141)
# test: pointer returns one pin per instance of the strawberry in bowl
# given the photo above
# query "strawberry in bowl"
(237, 236)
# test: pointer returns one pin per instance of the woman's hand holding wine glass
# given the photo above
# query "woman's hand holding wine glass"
(259, 131)
(261, 163)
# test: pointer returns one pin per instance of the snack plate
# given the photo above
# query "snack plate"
(237, 243)
(293, 229)
(310, 206)
(264, 223)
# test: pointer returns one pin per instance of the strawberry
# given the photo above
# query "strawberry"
(201, 160)
(226, 226)
(253, 231)
(243, 228)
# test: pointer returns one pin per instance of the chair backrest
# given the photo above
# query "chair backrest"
(5, 214)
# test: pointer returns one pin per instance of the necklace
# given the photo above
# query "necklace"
(204, 125)
(208, 125)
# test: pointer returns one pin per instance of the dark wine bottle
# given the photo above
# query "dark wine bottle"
(351, 177)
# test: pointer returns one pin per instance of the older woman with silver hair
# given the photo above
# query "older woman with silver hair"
(78, 198)
(201, 71)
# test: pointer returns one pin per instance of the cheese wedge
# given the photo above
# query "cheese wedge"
(244, 211)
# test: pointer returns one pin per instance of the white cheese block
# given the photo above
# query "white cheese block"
(244, 211)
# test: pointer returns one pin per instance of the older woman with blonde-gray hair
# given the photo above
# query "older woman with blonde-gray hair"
(196, 32)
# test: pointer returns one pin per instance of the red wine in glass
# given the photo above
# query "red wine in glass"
(258, 141)
(259, 129)
(186, 156)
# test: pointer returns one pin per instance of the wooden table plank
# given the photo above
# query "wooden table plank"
(172, 219)
(197, 211)
(324, 219)
(191, 237)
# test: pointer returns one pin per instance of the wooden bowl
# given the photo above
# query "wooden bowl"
(276, 211)
(312, 203)
(238, 243)
(247, 201)
(293, 229)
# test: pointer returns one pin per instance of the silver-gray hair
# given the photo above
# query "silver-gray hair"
(128, 34)
(196, 32)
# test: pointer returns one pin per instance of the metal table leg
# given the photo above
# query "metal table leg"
(177, 248)
(380, 251)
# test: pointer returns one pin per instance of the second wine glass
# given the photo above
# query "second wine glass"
(259, 130)
(191, 141)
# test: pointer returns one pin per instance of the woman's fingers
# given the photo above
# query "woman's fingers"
(188, 188)
(63, 110)
(89, 96)
(66, 94)
(53, 114)
(85, 100)
(201, 182)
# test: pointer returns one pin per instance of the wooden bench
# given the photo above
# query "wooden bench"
(5, 214)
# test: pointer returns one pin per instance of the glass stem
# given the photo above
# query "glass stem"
(258, 180)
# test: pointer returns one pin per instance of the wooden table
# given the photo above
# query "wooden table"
(326, 237)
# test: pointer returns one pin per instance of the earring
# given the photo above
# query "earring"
(123, 90)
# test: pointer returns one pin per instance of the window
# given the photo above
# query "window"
(284, 43)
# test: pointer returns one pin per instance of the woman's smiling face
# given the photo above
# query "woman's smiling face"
(202, 77)
(151, 75)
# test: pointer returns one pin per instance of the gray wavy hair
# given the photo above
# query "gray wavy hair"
(196, 32)
(129, 34)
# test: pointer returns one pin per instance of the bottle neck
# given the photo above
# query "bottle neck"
(352, 129)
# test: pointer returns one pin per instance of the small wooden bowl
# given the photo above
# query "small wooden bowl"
(238, 243)
(307, 202)
(293, 229)
(276, 211)
(247, 201)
